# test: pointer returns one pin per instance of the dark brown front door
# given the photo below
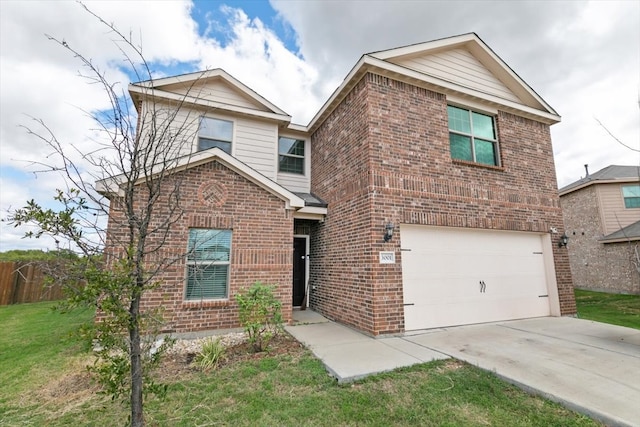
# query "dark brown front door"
(299, 270)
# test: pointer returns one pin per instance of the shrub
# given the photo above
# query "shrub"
(211, 354)
(260, 314)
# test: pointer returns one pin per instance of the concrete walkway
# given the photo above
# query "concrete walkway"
(591, 367)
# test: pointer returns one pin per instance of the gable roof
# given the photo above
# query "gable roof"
(112, 186)
(181, 89)
(510, 93)
(607, 175)
(629, 233)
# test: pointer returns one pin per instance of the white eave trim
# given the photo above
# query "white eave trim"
(348, 81)
(618, 240)
(399, 71)
(481, 51)
(434, 45)
(113, 185)
(311, 212)
(204, 75)
(158, 93)
(597, 182)
(369, 63)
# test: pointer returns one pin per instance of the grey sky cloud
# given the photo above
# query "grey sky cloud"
(582, 57)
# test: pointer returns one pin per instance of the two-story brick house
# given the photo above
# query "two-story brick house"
(422, 194)
(602, 216)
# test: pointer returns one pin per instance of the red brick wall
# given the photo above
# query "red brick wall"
(594, 265)
(341, 249)
(213, 196)
(383, 155)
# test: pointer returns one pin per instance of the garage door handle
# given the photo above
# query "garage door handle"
(408, 304)
(483, 286)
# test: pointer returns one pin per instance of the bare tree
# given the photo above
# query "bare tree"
(128, 177)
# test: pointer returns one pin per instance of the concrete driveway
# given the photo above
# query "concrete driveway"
(591, 367)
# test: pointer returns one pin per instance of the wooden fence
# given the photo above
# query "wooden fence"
(22, 282)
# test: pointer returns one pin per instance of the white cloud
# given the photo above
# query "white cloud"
(581, 56)
(258, 58)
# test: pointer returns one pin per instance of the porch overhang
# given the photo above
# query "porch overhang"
(311, 212)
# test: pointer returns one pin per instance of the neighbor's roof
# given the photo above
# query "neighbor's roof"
(610, 174)
(390, 63)
(628, 233)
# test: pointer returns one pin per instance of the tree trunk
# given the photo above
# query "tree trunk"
(137, 418)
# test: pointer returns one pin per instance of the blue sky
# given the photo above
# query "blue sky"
(206, 10)
(582, 57)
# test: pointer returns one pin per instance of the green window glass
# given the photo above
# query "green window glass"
(291, 155)
(215, 133)
(472, 136)
(208, 256)
(631, 195)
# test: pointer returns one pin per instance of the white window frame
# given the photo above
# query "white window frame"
(191, 262)
(624, 199)
(231, 141)
(304, 158)
(496, 145)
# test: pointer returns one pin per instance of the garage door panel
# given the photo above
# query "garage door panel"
(459, 276)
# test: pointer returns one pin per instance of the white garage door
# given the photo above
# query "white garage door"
(455, 276)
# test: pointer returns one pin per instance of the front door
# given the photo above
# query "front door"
(299, 270)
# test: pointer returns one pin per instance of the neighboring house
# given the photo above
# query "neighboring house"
(422, 194)
(602, 218)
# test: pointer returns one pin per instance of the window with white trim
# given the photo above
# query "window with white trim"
(472, 136)
(208, 256)
(215, 133)
(291, 155)
(631, 195)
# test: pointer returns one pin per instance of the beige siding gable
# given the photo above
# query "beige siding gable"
(256, 145)
(458, 66)
(215, 90)
(614, 215)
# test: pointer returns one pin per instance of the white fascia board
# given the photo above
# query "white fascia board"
(257, 178)
(313, 210)
(506, 73)
(113, 185)
(481, 51)
(109, 185)
(157, 93)
(203, 75)
(296, 127)
(349, 80)
(369, 63)
(619, 240)
(399, 71)
(449, 42)
(309, 215)
(597, 182)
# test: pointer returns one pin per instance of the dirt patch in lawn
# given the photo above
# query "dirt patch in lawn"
(177, 365)
(67, 392)
(78, 386)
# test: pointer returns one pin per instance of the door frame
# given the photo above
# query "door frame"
(306, 266)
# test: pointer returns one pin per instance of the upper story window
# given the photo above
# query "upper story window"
(291, 155)
(472, 136)
(208, 257)
(631, 195)
(215, 133)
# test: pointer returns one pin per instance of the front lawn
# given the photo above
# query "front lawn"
(45, 383)
(616, 309)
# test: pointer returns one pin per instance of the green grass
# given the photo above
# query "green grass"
(278, 390)
(616, 309)
(37, 345)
